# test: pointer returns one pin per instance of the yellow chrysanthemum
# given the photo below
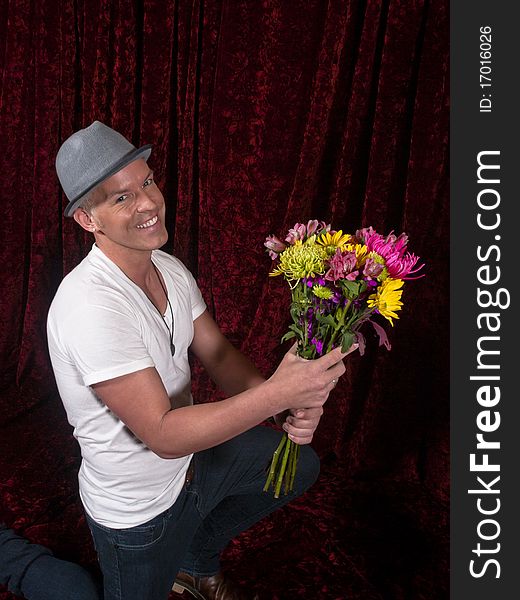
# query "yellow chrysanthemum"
(300, 261)
(360, 250)
(387, 298)
(321, 291)
(334, 241)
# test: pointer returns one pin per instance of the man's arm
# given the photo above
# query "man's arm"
(140, 400)
(233, 373)
(228, 367)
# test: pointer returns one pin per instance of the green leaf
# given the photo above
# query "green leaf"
(351, 288)
(289, 335)
(347, 340)
(326, 320)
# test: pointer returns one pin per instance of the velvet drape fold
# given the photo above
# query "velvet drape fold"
(261, 114)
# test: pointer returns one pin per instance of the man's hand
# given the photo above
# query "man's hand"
(301, 423)
(307, 383)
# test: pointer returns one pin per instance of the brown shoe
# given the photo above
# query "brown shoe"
(216, 587)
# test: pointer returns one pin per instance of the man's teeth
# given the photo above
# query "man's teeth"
(148, 223)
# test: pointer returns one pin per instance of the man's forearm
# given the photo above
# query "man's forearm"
(205, 425)
(234, 373)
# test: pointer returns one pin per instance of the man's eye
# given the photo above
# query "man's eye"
(122, 198)
(148, 182)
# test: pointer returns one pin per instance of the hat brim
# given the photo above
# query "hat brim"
(143, 152)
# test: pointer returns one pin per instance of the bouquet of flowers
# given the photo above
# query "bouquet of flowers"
(339, 282)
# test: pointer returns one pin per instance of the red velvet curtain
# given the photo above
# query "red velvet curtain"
(261, 114)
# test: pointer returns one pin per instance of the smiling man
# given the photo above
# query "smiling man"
(165, 483)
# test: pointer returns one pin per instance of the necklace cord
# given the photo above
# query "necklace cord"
(170, 332)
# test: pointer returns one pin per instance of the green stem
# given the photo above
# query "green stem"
(296, 453)
(282, 468)
(274, 461)
(289, 476)
(341, 323)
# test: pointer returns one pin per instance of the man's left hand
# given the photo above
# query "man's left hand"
(301, 423)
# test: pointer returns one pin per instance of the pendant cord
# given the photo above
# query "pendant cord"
(170, 331)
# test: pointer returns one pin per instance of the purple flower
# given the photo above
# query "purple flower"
(318, 345)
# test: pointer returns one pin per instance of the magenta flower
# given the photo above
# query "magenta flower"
(274, 245)
(400, 265)
(403, 267)
(342, 266)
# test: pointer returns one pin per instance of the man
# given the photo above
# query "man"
(165, 483)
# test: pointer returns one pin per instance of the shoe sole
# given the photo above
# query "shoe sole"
(181, 587)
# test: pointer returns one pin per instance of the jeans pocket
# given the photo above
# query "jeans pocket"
(141, 536)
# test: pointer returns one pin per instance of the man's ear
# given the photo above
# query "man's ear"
(83, 218)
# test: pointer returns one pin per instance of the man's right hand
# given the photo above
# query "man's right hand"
(305, 383)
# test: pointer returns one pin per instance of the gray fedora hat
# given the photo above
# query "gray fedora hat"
(90, 156)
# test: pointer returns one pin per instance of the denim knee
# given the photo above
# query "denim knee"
(49, 578)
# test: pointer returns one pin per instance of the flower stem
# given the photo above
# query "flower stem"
(282, 468)
(274, 461)
(295, 456)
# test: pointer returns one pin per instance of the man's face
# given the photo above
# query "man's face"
(129, 210)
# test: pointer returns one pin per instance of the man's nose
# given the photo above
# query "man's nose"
(144, 201)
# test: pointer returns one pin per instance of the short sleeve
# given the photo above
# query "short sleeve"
(198, 306)
(105, 342)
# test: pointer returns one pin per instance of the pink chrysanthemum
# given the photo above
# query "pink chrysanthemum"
(342, 266)
(399, 263)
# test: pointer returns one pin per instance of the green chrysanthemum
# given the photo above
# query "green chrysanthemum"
(322, 292)
(301, 260)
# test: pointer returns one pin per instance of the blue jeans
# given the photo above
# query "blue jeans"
(31, 571)
(224, 498)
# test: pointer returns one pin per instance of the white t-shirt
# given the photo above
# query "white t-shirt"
(100, 326)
